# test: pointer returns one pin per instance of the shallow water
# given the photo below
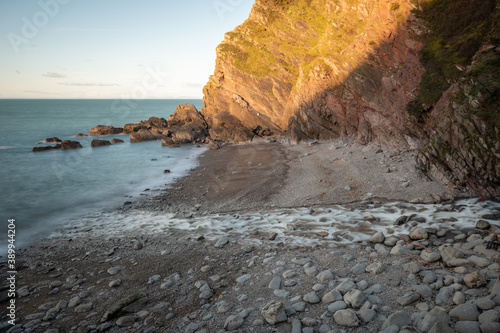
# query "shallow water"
(45, 190)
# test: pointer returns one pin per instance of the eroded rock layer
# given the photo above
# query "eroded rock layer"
(404, 73)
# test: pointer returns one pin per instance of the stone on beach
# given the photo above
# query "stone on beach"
(465, 312)
(430, 256)
(346, 318)
(437, 316)
(355, 298)
(274, 312)
(244, 278)
(222, 242)
(474, 280)
(418, 233)
(377, 237)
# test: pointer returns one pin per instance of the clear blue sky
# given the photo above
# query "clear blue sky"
(112, 48)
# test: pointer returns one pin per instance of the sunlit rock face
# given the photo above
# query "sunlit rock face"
(366, 71)
(318, 69)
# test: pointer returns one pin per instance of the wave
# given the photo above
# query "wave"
(7, 147)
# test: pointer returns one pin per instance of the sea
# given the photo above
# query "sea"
(43, 191)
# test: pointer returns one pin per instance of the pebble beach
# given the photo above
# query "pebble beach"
(266, 237)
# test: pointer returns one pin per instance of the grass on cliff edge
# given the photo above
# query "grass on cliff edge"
(458, 28)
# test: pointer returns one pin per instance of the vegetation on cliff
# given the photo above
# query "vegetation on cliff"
(457, 30)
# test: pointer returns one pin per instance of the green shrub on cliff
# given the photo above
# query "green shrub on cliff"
(458, 28)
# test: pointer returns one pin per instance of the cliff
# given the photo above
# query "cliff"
(410, 74)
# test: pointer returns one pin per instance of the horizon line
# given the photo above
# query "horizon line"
(127, 99)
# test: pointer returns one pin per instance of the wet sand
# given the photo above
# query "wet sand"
(277, 175)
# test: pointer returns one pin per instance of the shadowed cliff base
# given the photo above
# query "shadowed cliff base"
(374, 88)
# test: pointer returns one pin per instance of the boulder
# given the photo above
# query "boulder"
(274, 312)
(408, 299)
(105, 130)
(189, 133)
(346, 318)
(54, 139)
(186, 114)
(377, 237)
(167, 141)
(226, 127)
(437, 316)
(81, 135)
(46, 148)
(154, 122)
(495, 217)
(467, 327)
(258, 130)
(126, 321)
(233, 322)
(355, 298)
(336, 306)
(67, 144)
(100, 143)
(131, 128)
(375, 268)
(418, 233)
(401, 220)
(214, 145)
(144, 135)
(465, 312)
(449, 253)
(490, 327)
(399, 319)
(483, 225)
(430, 256)
(325, 276)
(117, 141)
(474, 280)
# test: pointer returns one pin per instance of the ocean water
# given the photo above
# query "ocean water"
(46, 190)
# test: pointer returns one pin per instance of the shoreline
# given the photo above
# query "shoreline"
(266, 175)
(215, 267)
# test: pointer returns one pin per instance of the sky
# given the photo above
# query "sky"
(113, 48)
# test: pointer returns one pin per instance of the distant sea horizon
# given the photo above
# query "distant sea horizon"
(104, 98)
(46, 190)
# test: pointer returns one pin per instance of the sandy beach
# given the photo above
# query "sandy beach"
(270, 237)
(267, 175)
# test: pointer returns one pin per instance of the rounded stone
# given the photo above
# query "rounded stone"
(346, 318)
(465, 312)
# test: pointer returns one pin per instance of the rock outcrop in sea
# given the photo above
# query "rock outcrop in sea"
(186, 125)
(414, 76)
(66, 144)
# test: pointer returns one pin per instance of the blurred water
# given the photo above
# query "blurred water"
(46, 189)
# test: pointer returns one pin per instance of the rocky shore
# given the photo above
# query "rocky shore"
(268, 237)
(432, 280)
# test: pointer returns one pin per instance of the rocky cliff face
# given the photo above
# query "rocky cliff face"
(396, 72)
(318, 69)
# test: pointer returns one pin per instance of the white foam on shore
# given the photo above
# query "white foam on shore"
(337, 224)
